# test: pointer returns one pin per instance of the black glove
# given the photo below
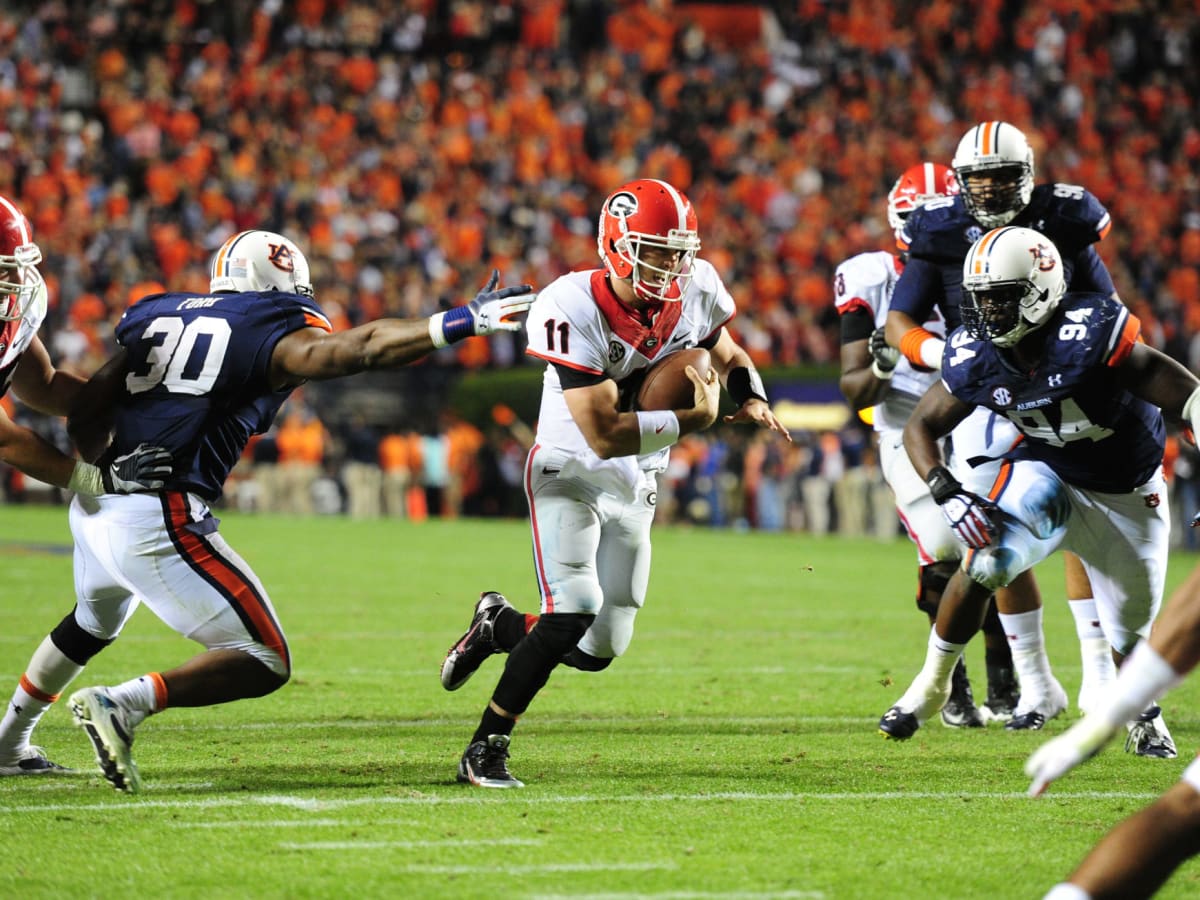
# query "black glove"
(144, 468)
(969, 516)
(884, 356)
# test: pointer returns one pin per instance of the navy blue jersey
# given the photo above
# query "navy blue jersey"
(197, 380)
(939, 234)
(1071, 409)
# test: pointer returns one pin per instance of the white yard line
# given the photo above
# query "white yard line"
(313, 804)
(408, 845)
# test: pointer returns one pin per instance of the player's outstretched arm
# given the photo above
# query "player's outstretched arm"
(312, 354)
(41, 386)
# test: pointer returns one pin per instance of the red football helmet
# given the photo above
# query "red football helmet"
(19, 256)
(917, 186)
(648, 234)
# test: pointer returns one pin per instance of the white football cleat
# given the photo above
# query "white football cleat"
(109, 727)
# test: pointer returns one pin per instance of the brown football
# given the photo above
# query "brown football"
(667, 386)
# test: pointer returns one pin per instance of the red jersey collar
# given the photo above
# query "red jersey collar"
(647, 339)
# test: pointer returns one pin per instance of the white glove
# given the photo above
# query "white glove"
(491, 311)
(1057, 757)
(970, 518)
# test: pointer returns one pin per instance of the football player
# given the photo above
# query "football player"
(26, 367)
(994, 167)
(199, 374)
(1139, 854)
(590, 478)
(876, 375)
(1067, 369)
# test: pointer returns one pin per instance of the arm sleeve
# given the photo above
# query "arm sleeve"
(918, 285)
(1090, 273)
(857, 324)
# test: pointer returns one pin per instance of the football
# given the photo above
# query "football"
(667, 386)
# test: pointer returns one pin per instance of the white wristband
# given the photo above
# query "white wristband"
(85, 479)
(436, 334)
(931, 353)
(659, 428)
(879, 373)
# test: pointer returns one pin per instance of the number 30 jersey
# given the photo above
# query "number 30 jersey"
(1071, 408)
(198, 377)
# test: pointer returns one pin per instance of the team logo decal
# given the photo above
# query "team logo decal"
(652, 498)
(281, 257)
(974, 233)
(623, 204)
(1043, 258)
(616, 351)
(1001, 396)
(1152, 500)
(650, 343)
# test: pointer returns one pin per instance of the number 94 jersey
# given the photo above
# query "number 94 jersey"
(1072, 410)
(197, 378)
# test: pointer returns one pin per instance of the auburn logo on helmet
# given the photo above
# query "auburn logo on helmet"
(281, 257)
(1043, 258)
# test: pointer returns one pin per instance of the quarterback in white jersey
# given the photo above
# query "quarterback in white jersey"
(590, 477)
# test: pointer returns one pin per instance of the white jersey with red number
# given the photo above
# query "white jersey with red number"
(15, 337)
(866, 282)
(577, 321)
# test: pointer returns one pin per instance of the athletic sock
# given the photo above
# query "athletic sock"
(141, 696)
(1028, 645)
(47, 676)
(1095, 652)
(491, 722)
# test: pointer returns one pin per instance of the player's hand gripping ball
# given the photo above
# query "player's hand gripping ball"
(667, 386)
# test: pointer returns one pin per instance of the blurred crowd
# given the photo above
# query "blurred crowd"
(411, 146)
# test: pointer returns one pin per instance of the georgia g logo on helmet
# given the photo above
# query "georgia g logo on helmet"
(623, 204)
(281, 257)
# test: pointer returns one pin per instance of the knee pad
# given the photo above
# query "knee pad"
(932, 584)
(585, 662)
(76, 644)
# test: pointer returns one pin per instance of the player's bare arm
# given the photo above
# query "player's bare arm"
(935, 417)
(611, 433)
(30, 453)
(89, 423)
(1156, 378)
(737, 373)
(40, 385)
(311, 354)
(859, 385)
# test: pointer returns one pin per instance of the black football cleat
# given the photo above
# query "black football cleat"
(1148, 736)
(898, 725)
(960, 710)
(485, 764)
(1032, 718)
(470, 650)
(1003, 693)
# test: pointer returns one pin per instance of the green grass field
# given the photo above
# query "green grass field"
(731, 753)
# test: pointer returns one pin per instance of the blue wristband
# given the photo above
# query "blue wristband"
(458, 323)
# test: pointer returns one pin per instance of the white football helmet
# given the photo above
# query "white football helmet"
(994, 168)
(19, 256)
(260, 261)
(1012, 282)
